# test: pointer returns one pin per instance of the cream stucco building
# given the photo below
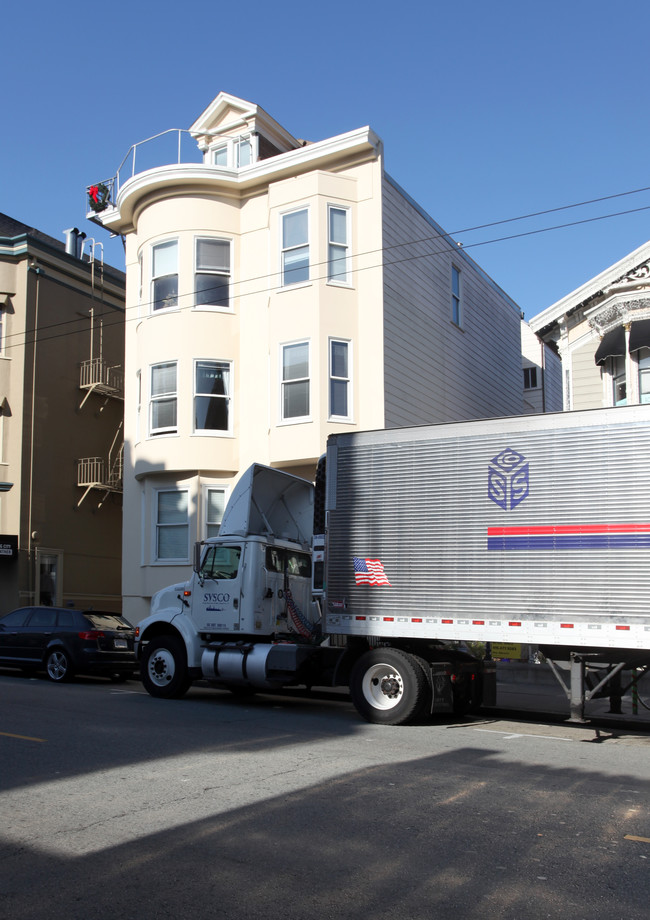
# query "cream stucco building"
(278, 291)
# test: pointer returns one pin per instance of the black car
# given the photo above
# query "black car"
(64, 641)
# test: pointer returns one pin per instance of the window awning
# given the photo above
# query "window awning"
(640, 335)
(612, 345)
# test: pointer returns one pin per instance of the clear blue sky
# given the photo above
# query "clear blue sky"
(488, 110)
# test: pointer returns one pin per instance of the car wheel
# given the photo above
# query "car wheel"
(164, 670)
(389, 687)
(57, 665)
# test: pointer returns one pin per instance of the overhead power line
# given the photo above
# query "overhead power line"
(441, 235)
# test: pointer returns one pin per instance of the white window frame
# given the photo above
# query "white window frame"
(153, 300)
(213, 432)
(2, 332)
(456, 296)
(339, 278)
(232, 146)
(141, 281)
(643, 370)
(158, 525)
(160, 397)
(285, 383)
(618, 373)
(207, 523)
(138, 406)
(218, 273)
(285, 250)
(335, 340)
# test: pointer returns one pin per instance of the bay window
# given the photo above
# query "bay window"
(164, 399)
(339, 379)
(212, 276)
(338, 267)
(164, 275)
(295, 247)
(295, 381)
(212, 396)
(172, 525)
(215, 503)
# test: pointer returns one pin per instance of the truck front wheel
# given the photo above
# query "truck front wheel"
(389, 687)
(164, 668)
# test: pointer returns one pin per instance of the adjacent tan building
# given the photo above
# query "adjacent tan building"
(602, 334)
(61, 407)
(280, 290)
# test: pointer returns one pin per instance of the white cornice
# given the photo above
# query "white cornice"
(582, 294)
(176, 177)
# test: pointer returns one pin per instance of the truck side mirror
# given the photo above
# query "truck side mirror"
(197, 557)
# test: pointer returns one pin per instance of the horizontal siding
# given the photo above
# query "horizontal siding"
(586, 381)
(434, 371)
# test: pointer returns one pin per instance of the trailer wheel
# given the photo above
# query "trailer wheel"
(389, 687)
(164, 668)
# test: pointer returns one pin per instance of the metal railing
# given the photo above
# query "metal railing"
(95, 372)
(174, 146)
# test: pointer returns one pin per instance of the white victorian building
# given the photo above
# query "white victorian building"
(602, 334)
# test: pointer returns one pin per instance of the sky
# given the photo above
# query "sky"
(489, 111)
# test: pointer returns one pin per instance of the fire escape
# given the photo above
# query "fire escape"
(98, 377)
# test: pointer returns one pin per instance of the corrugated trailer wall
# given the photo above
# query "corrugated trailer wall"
(533, 529)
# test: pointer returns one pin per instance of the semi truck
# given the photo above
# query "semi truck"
(413, 547)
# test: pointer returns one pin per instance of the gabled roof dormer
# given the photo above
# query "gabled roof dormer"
(233, 133)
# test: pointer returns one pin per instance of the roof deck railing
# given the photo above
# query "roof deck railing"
(174, 146)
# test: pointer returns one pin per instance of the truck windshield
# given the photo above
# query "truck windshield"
(221, 562)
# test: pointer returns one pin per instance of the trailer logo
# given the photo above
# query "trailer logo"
(508, 479)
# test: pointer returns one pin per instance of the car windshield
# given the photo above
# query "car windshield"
(107, 621)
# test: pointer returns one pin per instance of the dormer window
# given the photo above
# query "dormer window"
(234, 152)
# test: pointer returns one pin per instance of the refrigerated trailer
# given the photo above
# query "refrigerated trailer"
(532, 530)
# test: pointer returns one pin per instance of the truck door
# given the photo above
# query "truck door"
(216, 602)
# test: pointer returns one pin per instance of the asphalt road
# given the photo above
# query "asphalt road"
(114, 806)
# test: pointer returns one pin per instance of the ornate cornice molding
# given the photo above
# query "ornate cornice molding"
(621, 312)
(640, 273)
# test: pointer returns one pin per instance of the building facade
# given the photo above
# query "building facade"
(61, 408)
(279, 291)
(602, 334)
(542, 373)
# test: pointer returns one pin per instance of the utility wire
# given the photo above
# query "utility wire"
(442, 235)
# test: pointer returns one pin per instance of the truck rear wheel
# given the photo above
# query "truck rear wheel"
(164, 668)
(389, 687)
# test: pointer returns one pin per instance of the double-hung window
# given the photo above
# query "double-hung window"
(164, 275)
(338, 251)
(530, 378)
(619, 381)
(172, 525)
(212, 396)
(295, 381)
(295, 247)
(215, 503)
(164, 399)
(644, 375)
(455, 295)
(339, 379)
(212, 276)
